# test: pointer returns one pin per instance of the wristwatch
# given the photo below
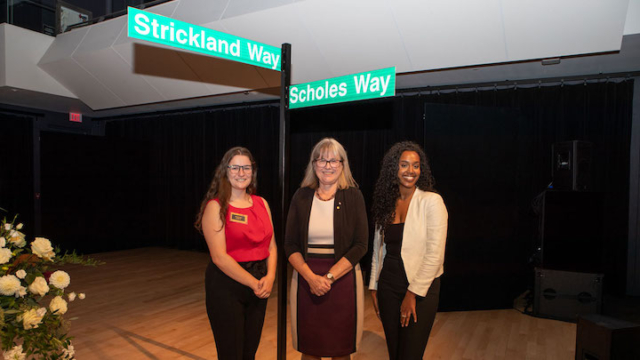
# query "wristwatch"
(330, 277)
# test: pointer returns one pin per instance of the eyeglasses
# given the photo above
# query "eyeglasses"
(235, 168)
(323, 163)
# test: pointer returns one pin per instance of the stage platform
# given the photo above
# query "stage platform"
(149, 304)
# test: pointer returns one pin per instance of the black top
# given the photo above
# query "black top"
(393, 239)
(350, 226)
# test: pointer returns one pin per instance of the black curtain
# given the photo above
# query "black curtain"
(476, 161)
(184, 150)
(506, 163)
(16, 169)
(490, 153)
(91, 199)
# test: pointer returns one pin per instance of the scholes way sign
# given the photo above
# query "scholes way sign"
(362, 86)
(159, 29)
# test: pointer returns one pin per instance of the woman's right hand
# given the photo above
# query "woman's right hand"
(374, 297)
(319, 285)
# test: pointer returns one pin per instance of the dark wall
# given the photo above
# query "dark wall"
(91, 198)
(16, 169)
(477, 154)
(21, 131)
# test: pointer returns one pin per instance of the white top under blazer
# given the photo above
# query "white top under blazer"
(321, 222)
(423, 241)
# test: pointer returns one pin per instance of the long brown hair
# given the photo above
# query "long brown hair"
(220, 187)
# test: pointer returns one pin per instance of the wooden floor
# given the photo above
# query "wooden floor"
(149, 304)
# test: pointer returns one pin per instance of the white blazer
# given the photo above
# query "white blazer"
(423, 241)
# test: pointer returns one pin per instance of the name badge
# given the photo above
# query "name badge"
(238, 218)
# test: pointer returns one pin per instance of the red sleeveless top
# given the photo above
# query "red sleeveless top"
(248, 231)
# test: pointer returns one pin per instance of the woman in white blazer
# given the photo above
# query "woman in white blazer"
(408, 250)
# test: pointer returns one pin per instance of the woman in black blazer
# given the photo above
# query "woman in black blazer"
(326, 236)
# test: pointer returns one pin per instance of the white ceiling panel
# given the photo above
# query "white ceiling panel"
(285, 26)
(551, 28)
(175, 89)
(360, 35)
(64, 46)
(20, 63)
(102, 35)
(626, 61)
(632, 23)
(222, 89)
(108, 67)
(3, 54)
(199, 11)
(169, 8)
(436, 41)
(82, 83)
(263, 27)
(243, 7)
(452, 34)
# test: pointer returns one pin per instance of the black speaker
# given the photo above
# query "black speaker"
(604, 338)
(564, 295)
(572, 165)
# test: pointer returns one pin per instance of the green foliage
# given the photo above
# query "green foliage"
(75, 259)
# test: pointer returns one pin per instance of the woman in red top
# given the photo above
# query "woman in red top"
(239, 232)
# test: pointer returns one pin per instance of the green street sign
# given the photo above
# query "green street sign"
(159, 29)
(362, 86)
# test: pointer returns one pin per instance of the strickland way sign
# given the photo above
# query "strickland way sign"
(159, 29)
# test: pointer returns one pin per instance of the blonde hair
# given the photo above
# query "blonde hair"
(329, 145)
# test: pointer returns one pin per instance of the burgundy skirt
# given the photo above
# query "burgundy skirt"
(329, 325)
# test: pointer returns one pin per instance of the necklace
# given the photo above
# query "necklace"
(323, 199)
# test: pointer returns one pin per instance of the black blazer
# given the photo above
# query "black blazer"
(350, 226)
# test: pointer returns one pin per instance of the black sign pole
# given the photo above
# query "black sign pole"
(283, 167)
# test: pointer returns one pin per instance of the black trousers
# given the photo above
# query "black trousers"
(235, 313)
(404, 343)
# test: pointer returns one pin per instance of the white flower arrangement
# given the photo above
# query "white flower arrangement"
(29, 329)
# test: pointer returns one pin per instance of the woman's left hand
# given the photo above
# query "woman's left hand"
(265, 285)
(408, 309)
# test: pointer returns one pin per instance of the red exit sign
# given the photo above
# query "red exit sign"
(75, 117)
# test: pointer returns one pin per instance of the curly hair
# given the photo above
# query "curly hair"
(387, 191)
(220, 187)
